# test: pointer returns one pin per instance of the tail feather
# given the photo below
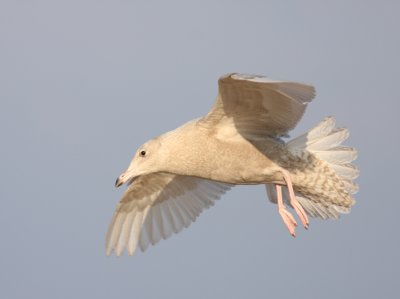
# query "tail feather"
(338, 155)
(299, 144)
(316, 209)
(333, 139)
(324, 141)
(346, 171)
(313, 209)
(350, 187)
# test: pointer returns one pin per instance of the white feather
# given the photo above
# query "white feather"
(181, 201)
(177, 219)
(126, 231)
(135, 232)
(185, 212)
(299, 144)
(148, 232)
(158, 224)
(144, 240)
(324, 142)
(117, 229)
(186, 208)
(338, 155)
(327, 142)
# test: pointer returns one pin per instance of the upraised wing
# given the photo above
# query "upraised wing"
(157, 205)
(257, 106)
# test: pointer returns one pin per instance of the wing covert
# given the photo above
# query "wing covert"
(258, 106)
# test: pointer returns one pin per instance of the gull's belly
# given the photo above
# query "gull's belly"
(232, 160)
(244, 164)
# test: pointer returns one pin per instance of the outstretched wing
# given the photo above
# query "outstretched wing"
(157, 205)
(256, 106)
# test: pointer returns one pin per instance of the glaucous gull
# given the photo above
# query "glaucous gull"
(174, 177)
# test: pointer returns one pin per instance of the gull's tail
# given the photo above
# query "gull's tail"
(326, 191)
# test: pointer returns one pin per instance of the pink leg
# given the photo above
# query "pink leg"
(293, 201)
(285, 214)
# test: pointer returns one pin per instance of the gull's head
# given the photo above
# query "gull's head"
(144, 161)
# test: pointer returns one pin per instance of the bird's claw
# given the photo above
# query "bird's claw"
(300, 212)
(289, 221)
(288, 218)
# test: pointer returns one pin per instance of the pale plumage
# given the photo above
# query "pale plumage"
(258, 105)
(174, 177)
(161, 204)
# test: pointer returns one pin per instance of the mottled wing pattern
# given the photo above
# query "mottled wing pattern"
(257, 106)
(157, 205)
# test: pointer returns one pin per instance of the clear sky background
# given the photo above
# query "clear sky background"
(84, 83)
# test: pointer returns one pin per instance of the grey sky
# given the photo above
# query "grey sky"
(83, 83)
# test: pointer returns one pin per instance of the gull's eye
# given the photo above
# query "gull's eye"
(142, 153)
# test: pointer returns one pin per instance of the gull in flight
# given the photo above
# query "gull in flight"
(172, 178)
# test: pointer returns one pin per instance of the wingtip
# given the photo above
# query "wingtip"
(108, 252)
